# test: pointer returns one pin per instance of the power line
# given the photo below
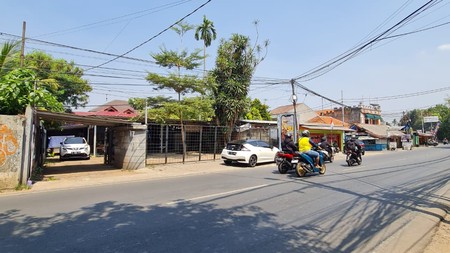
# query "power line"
(130, 17)
(337, 61)
(153, 37)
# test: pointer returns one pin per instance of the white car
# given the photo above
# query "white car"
(76, 147)
(249, 152)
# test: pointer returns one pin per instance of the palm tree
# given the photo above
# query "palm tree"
(207, 33)
(8, 50)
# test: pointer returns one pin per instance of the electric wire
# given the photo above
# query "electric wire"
(151, 38)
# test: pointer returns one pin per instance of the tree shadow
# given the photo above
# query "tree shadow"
(236, 224)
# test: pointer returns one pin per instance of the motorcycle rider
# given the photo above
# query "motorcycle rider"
(326, 146)
(352, 144)
(288, 144)
(305, 145)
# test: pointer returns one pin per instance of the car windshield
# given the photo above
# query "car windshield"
(76, 140)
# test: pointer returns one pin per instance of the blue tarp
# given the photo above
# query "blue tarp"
(55, 141)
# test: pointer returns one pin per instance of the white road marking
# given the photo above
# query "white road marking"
(217, 194)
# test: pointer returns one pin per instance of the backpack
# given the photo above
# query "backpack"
(351, 145)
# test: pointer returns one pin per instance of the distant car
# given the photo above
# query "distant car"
(74, 147)
(249, 152)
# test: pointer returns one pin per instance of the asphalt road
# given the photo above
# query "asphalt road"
(388, 204)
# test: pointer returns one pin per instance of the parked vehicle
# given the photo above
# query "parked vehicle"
(300, 162)
(432, 143)
(249, 152)
(74, 147)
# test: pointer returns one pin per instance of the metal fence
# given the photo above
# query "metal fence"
(164, 143)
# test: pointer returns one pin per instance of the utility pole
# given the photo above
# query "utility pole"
(342, 101)
(294, 103)
(22, 49)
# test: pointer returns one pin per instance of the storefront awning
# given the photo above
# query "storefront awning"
(372, 116)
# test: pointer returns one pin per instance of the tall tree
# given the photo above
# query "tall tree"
(9, 50)
(258, 111)
(207, 33)
(63, 79)
(235, 63)
(181, 28)
(18, 89)
(181, 84)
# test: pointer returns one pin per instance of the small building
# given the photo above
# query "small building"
(256, 129)
(379, 137)
(115, 108)
(318, 125)
(361, 114)
(325, 126)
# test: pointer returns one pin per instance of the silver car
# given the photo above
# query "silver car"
(74, 147)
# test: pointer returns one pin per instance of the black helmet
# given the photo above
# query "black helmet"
(288, 135)
(324, 138)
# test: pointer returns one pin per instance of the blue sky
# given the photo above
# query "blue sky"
(403, 73)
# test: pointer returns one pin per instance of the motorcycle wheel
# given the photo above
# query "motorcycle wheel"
(300, 171)
(323, 169)
(331, 159)
(349, 163)
(283, 167)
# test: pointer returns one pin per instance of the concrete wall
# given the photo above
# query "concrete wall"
(129, 145)
(12, 132)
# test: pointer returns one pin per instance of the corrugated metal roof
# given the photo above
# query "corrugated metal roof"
(379, 131)
(89, 120)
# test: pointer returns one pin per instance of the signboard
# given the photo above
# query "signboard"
(431, 119)
(286, 125)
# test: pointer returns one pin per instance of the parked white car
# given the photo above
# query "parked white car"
(249, 152)
(74, 147)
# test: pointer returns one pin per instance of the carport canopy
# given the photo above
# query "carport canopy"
(88, 120)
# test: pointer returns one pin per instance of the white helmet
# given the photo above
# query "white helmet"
(305, 133)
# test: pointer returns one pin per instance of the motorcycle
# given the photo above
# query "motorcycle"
(328, 155)
(353, 157)
(284, 162)
(300, 162)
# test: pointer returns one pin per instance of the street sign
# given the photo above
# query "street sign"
(431, 119)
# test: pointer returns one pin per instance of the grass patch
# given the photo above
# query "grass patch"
(22, 187)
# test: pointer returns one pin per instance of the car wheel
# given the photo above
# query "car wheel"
(252, 161)
(228, 162)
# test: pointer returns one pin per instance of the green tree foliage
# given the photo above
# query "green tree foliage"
(207, 33)
(17, 90)
(235, 63)
(61, 78)
(7, 54)
(181, 84)
(416, 117)
(258, 111)
(152, 102)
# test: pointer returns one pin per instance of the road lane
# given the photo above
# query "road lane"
(245, 210)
